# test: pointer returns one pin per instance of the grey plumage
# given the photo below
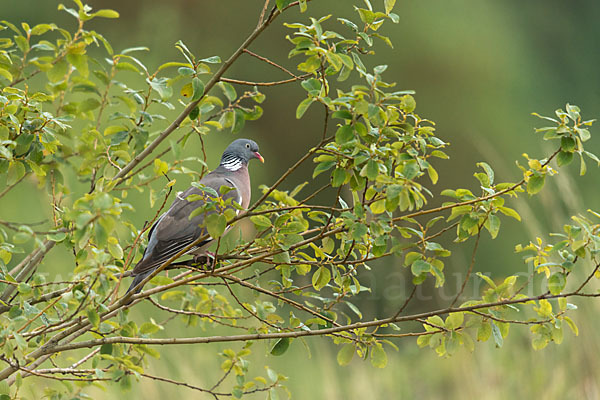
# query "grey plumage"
(173, 230)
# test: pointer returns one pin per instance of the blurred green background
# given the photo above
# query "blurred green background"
(479, 69)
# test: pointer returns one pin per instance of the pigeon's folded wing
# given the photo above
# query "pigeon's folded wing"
(174, 230)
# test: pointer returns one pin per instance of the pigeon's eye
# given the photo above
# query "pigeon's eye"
(247, 145)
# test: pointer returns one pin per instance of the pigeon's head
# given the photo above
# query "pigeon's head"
(244, 149)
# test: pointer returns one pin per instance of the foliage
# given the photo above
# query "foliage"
(83, 121)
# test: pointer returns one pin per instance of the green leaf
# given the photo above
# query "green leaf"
(378, 356)
(572, 325)
(338, 177)
(187, 90)
(198, 88)
(312, 86)
(24, 288)
(408, 103)
(510, 212)
(239, 120)
(556, 282)
(370, 170)
(567, 144)
(419, 267)
(564, 158)
(354, 309)
(215, 224)
(484, 332)
(493, 225)
(584, 134)
(455, 320)
(88, 104)
(160, 167)
(114, 248)
(261, 221)
(185, 71)
(160, 85)
(16, 170)
(411, 257)
(93, 317)
(487, 279)
(366, 16)
(345, 133)
(212, 60)
(497, 335)
(106, 14)
(194, 113)
(106, 348)
(488, 171)
(539, 342)
(345, 354)
(378, 207)
(342, 114)
(282, 258)
(6, 74)
(359, 230)
(42, 28)
(535, 183)
(544, 309)
(228, 90)
(160, 280)
(280, 346)
(57, 237)
(582, 166)
(334, 60)
(321, 277)
(389, 5)
(433, 175)
(80, 62)
(149, 328)
(322, 167)
(303, 106)
(281, 4)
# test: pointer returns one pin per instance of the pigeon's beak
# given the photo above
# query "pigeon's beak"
(257, 154)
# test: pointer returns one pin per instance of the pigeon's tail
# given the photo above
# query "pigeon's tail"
(136, 280)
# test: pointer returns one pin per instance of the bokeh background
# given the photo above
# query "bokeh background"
(479, 68)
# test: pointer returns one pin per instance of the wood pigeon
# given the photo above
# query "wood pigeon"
(174, 230)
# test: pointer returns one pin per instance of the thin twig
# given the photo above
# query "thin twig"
(274, 83)
(471, 264)
(265, 59)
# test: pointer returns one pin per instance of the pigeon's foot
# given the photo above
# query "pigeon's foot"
(205, 261)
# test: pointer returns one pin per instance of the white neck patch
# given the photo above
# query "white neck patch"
(231, 163)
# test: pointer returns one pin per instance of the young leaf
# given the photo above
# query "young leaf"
(484, 331)
(345, 354)
(378, 356)
(106, 14)
(454, 320)
(556, 283)
(303, 106)
(321, 277)
(389, 5)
